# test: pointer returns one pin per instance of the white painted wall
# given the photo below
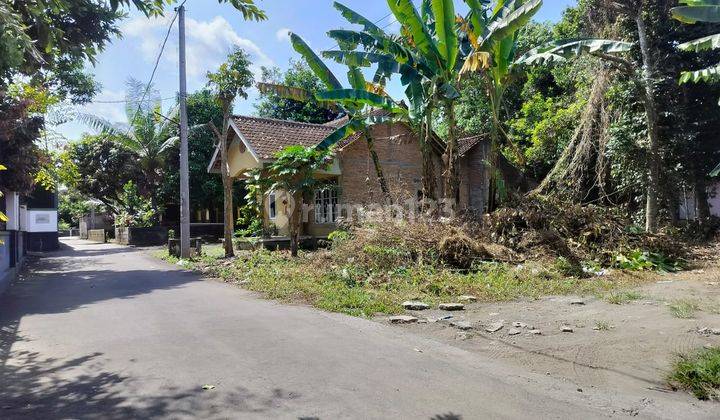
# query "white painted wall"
(688, 204)
(41, 221)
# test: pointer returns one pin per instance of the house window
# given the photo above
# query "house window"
(272, 205)
(326, 201)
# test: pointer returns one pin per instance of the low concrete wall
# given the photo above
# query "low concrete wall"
(97, 235)
(210, 232)
(42, 241)
(141, 236)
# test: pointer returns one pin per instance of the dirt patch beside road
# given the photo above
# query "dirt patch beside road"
(625, 347)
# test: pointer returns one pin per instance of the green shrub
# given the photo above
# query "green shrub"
(638, 260)
(338, 236)
(698, 373)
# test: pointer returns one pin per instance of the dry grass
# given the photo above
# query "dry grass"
(374, 268)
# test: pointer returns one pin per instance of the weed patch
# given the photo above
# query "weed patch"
(698, 373)
(684, 308)
(622, 297)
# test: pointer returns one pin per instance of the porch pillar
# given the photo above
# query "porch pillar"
(12, 210)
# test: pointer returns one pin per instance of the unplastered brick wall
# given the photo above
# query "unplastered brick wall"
(401, 160)
(474, 177)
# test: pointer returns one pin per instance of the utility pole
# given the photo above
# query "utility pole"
(184, 166)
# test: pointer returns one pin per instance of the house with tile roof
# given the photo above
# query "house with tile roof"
(253, 143)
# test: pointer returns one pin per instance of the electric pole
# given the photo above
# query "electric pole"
(184, 166)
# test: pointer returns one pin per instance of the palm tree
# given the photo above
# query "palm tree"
(700, 11)
(148, 133)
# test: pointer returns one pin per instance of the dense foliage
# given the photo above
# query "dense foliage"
(298, 75)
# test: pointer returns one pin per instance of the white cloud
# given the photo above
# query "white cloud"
(208, 43)
(283, 35)
(112, 111)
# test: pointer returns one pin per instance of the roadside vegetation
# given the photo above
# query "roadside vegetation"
(373, 267)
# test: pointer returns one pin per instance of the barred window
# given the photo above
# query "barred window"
(326, 201)
(272, 204)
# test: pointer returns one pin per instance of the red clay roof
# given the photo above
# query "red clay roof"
(268, 136)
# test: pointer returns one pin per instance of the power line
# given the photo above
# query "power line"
(157, 63)
(125, 101)
(374, 23)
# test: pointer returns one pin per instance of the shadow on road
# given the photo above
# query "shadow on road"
(35, 387)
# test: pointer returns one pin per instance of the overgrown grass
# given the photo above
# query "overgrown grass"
(684, 308)
(698, 373)
(380, 288)
(622, 297)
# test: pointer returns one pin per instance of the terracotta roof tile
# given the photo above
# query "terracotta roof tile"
(466, 144)
(268, 136)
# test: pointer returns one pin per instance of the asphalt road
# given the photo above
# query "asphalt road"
(105, 332)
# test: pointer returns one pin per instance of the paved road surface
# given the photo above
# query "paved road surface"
(101, 331)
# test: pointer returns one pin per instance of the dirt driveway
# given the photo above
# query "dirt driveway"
(621, 347)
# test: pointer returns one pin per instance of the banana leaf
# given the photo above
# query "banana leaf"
(315, 63)
(444, 13)
(341, 134)
(358, 97)
(715, 171)
(705, 12)
(295, 94)
(563, 49)
(507, 24)
(711, 42)
(709, 74)
(354, 17)
(408, 16)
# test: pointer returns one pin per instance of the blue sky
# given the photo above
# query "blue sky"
(212, 30)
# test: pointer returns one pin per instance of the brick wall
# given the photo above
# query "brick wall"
(474, 176)
(401, 160)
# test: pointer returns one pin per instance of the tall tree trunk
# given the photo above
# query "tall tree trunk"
(450, 157)
(493, 198)
(428, 177)
(701, 195)
(228, 219)
(295, 225)
(651, 112)
(376, 163)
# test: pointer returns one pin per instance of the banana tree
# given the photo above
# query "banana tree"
(700, 11)
(425, 57)
(358, 102)
(492, 35)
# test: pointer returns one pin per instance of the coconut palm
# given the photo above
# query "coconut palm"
(148, 133)
(700, 11)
